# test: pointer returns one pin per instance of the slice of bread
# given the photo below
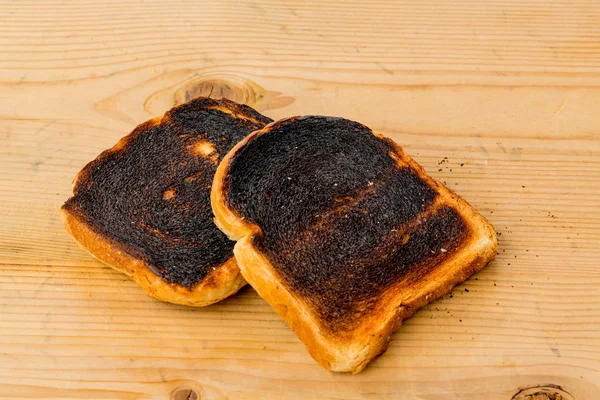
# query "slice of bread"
(143, 206)
(343, 233)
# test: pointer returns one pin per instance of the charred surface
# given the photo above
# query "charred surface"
(150, 194)
(340, 221)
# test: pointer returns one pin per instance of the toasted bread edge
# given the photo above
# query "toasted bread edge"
(327, 350)
(224, 281)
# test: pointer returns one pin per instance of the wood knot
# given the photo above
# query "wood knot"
(243, 92)
(190, 390)
(543, 392)
(185, 85)
(215, 89)
(184, 393)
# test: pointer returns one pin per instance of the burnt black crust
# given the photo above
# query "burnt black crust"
(121, 194)
(339, 220)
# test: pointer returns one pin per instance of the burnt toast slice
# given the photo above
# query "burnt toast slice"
(143, 206)
(343, 233)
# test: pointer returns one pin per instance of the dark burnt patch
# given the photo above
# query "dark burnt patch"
(300, 168)
(340, 220)
(152, 196)
(343, 269)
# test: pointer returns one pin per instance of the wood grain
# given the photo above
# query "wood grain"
(508, 91)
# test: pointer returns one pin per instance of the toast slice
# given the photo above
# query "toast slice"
(343, 233)
(143, 206)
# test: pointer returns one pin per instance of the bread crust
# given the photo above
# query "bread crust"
(352, 352)
(221, 283)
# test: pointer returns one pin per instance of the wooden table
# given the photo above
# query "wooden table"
(499, 99)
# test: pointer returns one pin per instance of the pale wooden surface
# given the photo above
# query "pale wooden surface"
(508, 91)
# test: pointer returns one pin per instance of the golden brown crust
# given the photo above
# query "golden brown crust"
(226, 219)
(352, 352)
(224, 281)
